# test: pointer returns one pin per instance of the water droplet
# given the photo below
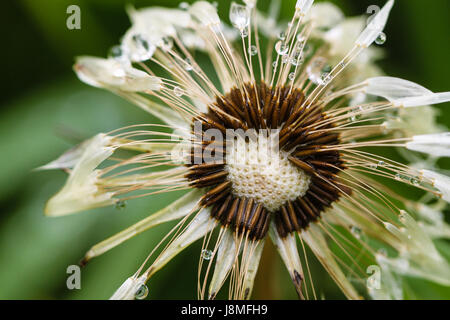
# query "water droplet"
(252, 50)
(117, 53)
(285, 58)
(314, 70)
(282, 36)
(142, 50)
(120, 204)
(183, 6)
(296, 62)
(291, 76)
(297, 56)
(402, 177)
(381, 163)
(140, 41)
(381, 39)
(281, 48)
(178, 91)
(207, 254)
(301, 39)
(142, 292)
(188, 65)
(373, 166)
(356, 231)
(239, 16)
(274, 64)
(244, 33)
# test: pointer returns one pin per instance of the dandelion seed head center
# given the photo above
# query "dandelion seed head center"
(259, 171)
(276, 167)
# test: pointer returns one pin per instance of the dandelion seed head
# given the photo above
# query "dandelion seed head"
(317, 90)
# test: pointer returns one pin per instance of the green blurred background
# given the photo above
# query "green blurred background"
(46, 110)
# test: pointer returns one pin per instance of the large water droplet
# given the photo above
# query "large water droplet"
(281, 48)
(142, 292)
(239, 16)
(142, 50)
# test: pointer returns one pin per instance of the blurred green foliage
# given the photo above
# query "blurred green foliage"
(45, 110)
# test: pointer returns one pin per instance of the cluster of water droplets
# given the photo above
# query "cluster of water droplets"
(356, 113)
(377, 165)
(294, 57)
(413, 180)
(299, 53)
(319, 70)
